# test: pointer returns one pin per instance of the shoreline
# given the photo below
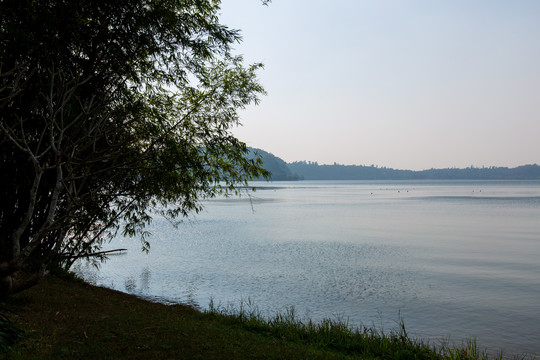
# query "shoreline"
(65, 317)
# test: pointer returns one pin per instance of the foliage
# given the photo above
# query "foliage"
(110, 111)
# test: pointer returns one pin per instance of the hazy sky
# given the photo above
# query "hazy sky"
(407, 84)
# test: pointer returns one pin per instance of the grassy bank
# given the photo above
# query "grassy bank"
(67, 319)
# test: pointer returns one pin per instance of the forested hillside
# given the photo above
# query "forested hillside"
(307, 170)
(314, 171)
(279, 168)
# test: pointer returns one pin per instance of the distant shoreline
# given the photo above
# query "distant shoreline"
(313, 171)
(307, 170)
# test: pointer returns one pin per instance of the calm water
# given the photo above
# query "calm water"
(454, 259)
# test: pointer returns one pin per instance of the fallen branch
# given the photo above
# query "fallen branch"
(117, 251)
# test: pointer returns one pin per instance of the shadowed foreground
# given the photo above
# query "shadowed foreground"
(67, 319)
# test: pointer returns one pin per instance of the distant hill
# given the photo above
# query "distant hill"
(279, 168)
(524, 172)
(314, 171)
(307, 170)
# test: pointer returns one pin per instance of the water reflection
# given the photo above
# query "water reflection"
(129, 285)
(145, 279)
(190, 291)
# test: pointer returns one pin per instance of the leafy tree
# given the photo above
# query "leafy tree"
(112, 110)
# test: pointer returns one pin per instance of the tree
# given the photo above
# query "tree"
(112, 110)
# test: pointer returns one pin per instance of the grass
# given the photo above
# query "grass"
(65, 319)
(9, 333)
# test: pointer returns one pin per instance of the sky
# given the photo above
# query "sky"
(406, 84)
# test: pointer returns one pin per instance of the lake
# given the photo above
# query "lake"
(453, 259)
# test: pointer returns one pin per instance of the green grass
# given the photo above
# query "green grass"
(68, 319)
(336, 335)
